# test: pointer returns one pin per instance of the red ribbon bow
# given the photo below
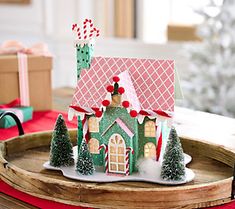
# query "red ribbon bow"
(13, 103)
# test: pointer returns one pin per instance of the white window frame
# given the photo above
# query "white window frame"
(93, 125)
(93, 144)
(149, 129)
(148, 146)
(116, 154)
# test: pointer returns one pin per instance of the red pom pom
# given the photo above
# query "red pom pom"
(121, 90)
(98, 113)
(133, 113)
(125, 104)
(110, 88)
(106, 103)
(116, 79)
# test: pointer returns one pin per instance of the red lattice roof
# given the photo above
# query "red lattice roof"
(153, 81)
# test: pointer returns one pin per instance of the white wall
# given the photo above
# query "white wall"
(22, 21)
(50, 21)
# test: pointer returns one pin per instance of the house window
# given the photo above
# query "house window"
(149, 129)
(93, 124)
(117, 149)
(94, 146)
(150, 150)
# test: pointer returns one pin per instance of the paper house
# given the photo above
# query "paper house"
(126, 107)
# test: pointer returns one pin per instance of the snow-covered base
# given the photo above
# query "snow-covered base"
(144, 174)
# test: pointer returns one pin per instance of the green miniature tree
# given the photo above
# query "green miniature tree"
(85, 164)
(173, 167)
(61, 150)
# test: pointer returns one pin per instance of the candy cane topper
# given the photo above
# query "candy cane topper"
(128, 151)
(106, 158)
(85, 34)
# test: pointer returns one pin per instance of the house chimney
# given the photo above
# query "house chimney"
(84, 55)
(84, 44)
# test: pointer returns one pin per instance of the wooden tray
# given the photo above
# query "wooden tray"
(21, 160)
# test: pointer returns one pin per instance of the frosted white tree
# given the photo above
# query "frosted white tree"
(211, 83)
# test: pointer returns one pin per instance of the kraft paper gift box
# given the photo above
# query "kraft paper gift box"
(23, 113)
(39, 80)
(176, 32)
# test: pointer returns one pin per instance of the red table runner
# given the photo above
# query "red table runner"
(43, 121)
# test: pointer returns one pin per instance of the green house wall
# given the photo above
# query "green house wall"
(109, 117)
(137, 142)
(115, 129)
(142, 139)
(98, 158)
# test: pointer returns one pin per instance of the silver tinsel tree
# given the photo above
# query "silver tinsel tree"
(211, 83)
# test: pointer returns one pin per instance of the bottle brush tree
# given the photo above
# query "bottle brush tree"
(173, 166)
(85, 164)
(61, 150)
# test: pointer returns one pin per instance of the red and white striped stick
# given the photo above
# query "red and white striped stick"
(159, 141)
(79, 33)
(87, 31)
(106, 158)
(74, 26)
(85, 28)
(128, 151)
(97, 32)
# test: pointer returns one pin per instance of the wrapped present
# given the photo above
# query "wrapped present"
(24, 114)
(176, 32)
(25, 73)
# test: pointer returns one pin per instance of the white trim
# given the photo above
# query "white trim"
(117, 155)
(83, 42)
(140, 19)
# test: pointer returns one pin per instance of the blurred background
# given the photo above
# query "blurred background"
(197, 34)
